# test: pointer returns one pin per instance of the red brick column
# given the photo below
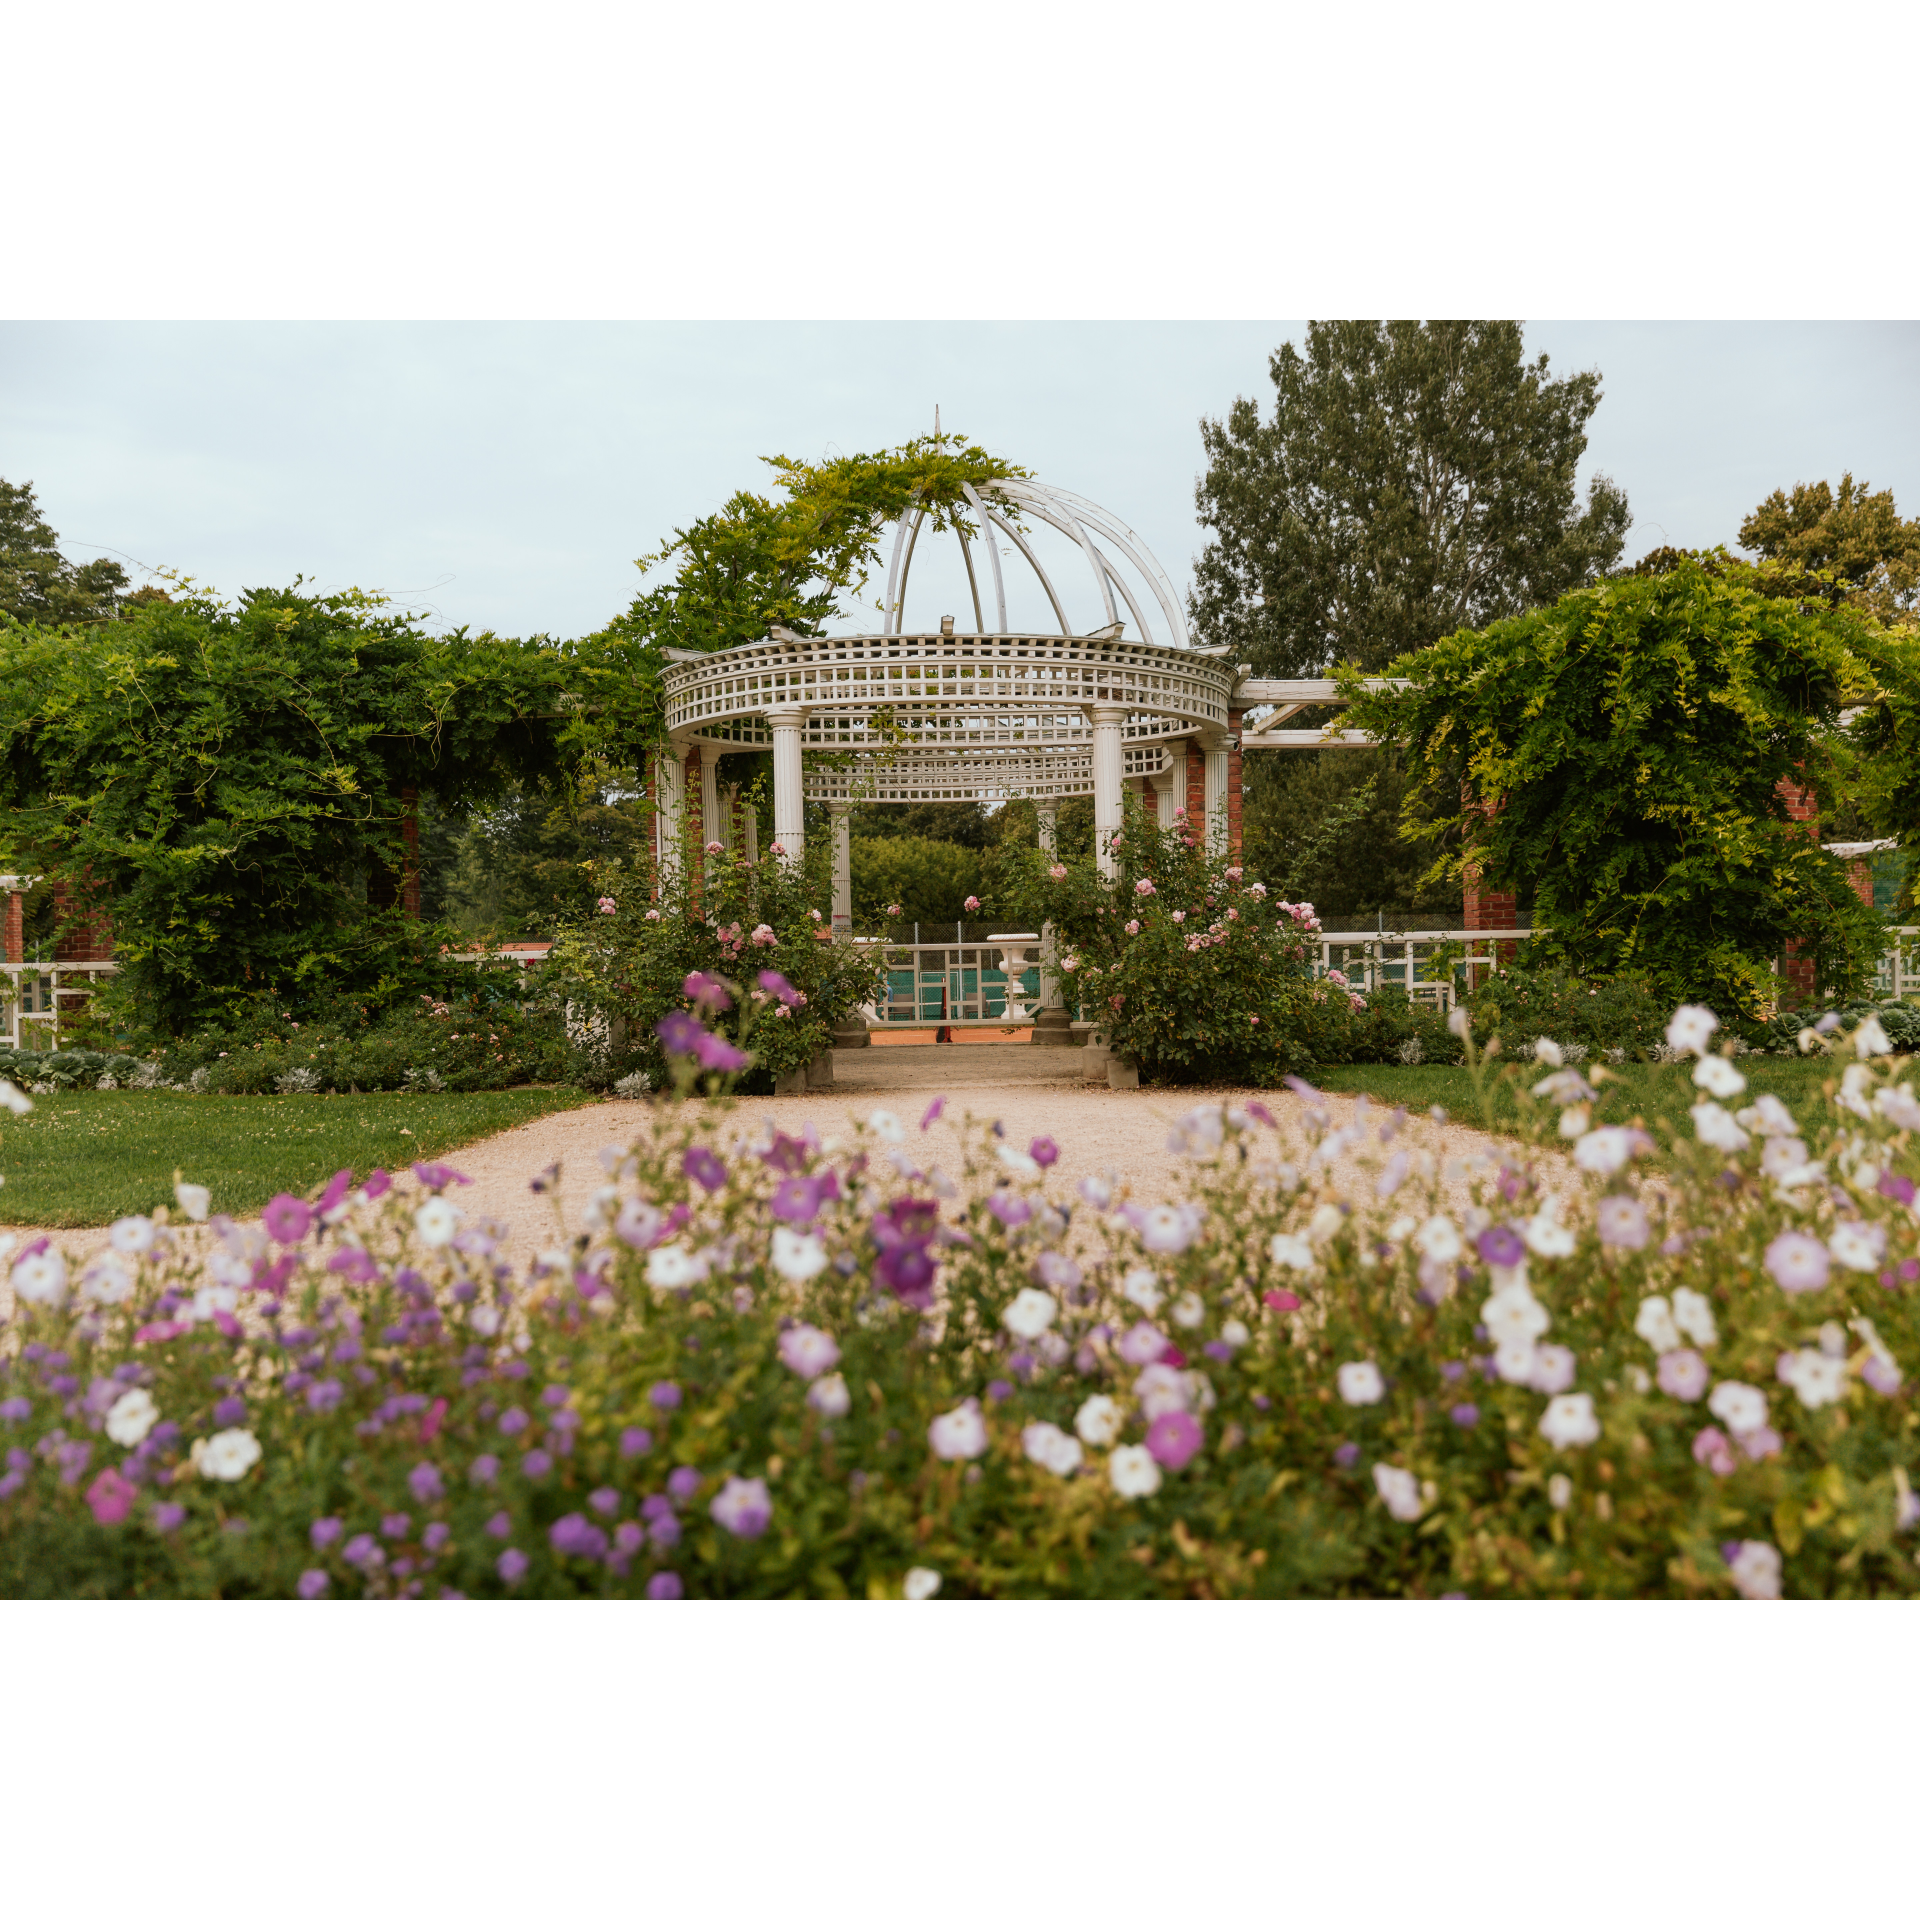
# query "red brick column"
(1195, 800)
(13, 932)
(1482, 910)
(1860, 879)
(88, 937)
(1796, 967)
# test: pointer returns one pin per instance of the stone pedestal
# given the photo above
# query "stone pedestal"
(1052, 1029)
(820, 1071)
(1122, 1075)
(857, 1035)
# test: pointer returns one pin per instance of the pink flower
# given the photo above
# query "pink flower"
(1622, 1222)
(1179, 918)
(111, 1498)
(608, 904)
(1174, 1439)
(764, 936)
(1255, 1018)
(1798, 1262)
(1233, 873)
(1056, 873)
(1683, 1374)
(1142, 1344)
(894, 911)
(1711, 1449)
(1143, 888)
(972, 903)
(1282, 1299)
(286, 1218)
(1133, 926)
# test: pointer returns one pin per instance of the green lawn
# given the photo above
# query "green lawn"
(1650, 1094)
(85, 1159)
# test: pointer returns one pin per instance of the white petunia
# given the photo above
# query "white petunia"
(484, 1319)
(1817, 1379)
(1360, 1383)
(1142, 1287)
(1189, 1310)
(207, 1301)
(1134, 1472)
(228, 1455)
(1553, 1369)
(1605, 1150)
(1655, 1324)
(1235, 1333)
(1162, 1389)
(887, 1126)
(921, 1583)
(1545, 1235)
(1293, 1250)
(1870, 1037)
(41, 1278)
(1691, 1029)
(1898, 1105)
(1514, 1317)
(1569, 1420)
(193, 1201)
(1400, 1491)
(1781, 1155)
(436, 1221)
(14, 1100)
(1574, 1122)
(1719, 1077)
(131, 1417)
(131, 1237)
(1099, 1420)
(1559, 1493)
(1459, 1023)
(1858, 1244)
(1029, 1314)
(106, 1281)
(797, 1256)
(1514, 1361)
(960, 1434)
(1016, 1162)
(1693, 1315)
(1439, 1239)
(1755, 1568)
(828, 1397)
(1326, 1222)
(673, 1269)
(1769, 1116)
(1046, 1446)
(1741, 1407)
(1548, 1053)
(1716, 1127)
(1856, 1082)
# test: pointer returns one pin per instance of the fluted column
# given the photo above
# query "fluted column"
(712, 829)
(1170, 788)
(1215, 757)
(1107, 722)
(1047, 817)
(841, 812)
(669, 800)
(789, 794)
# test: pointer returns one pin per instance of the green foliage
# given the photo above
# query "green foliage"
(928, 880)
(233, 781)
(739, 1385)
(1855, 536)
(1416, 477)
(1627, 748)
(37, 582)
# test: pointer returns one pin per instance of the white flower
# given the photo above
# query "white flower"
(1756, 1570)
(887, 1126)
(131, 1417)
(1439, 1239)
(1099, 1420)
(131, 1237)
(1693, 1315)
(436, 1221)
(673, 1269)
(1569, 1420)
(1559, 1492)
(1552, 1371)
(1514, 1317)
(1326, 1222)
(1769, 1116)
(106, 1281)
(1046, 1446)
(1574, 1122)
(1855, 1084)
(1400, 1491)
(1189, 1310)
(1691, 1029)
(828, 1397)
(1818, 1379)
(921, 1583)
(1870, 1037)
(1719, 1077)
(1360, 1383)
(1169, 1229)
(1142, 1287)
(1898, 1105)
(1545, 1235)
(14, 1100)
(1781, 1156)
(1458, 1023)
(1029, 1314)
(797, 1256)
(1858, 1244)
(1235, 1333)
(1743, 1408)
(207, 1301)
(193, 1201)
(1605, 1150)
(1716, 1127)
(41, 1278)
(1017, 1162)
(1134, 1472)
(1514, 1361)
(1162, 1389)
(228, 1455)
(1548, 1053)
(1291, 1250)
(960, 1434)
(1655, 1324)
(484, 1319)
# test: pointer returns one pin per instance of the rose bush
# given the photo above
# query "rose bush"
(793, 1365)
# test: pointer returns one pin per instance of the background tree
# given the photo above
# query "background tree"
(1629, 745)
(37, 582)
(1855, 535)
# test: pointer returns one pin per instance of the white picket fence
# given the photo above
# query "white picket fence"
(30, 996)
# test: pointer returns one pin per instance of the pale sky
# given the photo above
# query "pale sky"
(506, 475)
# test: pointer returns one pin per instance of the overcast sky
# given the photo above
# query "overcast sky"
(507, 475)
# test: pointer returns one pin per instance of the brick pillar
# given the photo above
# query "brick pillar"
(1482, 910)
(13, 932)
(1195, 800)
(1234, 717)
(1860, 879)
(1796, 966)
(90, 934)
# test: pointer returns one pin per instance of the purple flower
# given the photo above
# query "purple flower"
(286, 1219)
(680, 1033)
(313, 1583)
(634, 1441)
(605, 1501)
(664, 1529)
(705, 1168)
(433, 1176)
(717, 1055)
(1008, 1207)
(1466, 1414)
(1710, 1448)
(1683, 1374)
(395, 1525)
(363, 1551)
(665, 1395)
(425, 1484)
(230, 1412)
(1798, 1262)
(998, 1390)
(574, 1533)
(743, 1507)
(17, 1409)
(1346, 1453)
(436, 1536)
(353, 1263)
(554, 1396)
(500, 1527)
(665, 1586)
(166, 1515)
(538, 1464)
(1896, 1187)
(324, 1395)
(324, 1532)
(1043, 1152)
(513, 1421)
(1880, 1374)
(935, 1108)
(483, 1468)
(1501, 1247)
(1622, 1222)
(705, 991)
(796, 1201)
(1218, 1350)
(683, 1483)
(904, 1230)
(781, 988)
(1174, 1439)
(627, 1539)
(1142, 1344)
(511, 1565)
(808, 1351)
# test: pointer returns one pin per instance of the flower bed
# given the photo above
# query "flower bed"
(793, 1366)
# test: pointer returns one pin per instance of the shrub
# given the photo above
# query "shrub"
(776, 1369)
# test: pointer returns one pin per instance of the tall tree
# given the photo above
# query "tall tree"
(37, 581)
(1416, 477)
(1853, 534)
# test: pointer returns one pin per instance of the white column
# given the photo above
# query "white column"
(841, 812)
(1107, 722)
(729, 800)
(711, 825)
(1215, 747)
(789, 796)
(1047, 814)
(1175, 796)
(750, 829)
(669, 798)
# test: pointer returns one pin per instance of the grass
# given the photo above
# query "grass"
(86, 1159)
(1652, 1095)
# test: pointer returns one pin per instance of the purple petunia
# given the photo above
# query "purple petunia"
(500, 1527)
(396, 1525)
(1043, 1152)
(781, 988)
(538, 1464)
(605, 1501)
(1466, 1414)
(1174, 1439)
(482, 1469)
(743, 1507)
(1008, 1207)
(313, 1583)
(628, 1538)
(286, 1219)
(665, 1586)
(680, 1033)
(1501, 1247)
(1346, 1453)
(230, 1412)
(718, 1055)
(513, 1421)
(166, 1515)
(797, 1200)
(705, 1168)
(324, 1395)
(425, 1484)
(935, 1108)
(511, 1566)
(683, 1483)
(363, 1551)
(436, 1536)
(634, 1441)
(575, 1534)
(325, 1531)
(665, 1394)
(1798, 1262)
(705, 991)
(433, 1176)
